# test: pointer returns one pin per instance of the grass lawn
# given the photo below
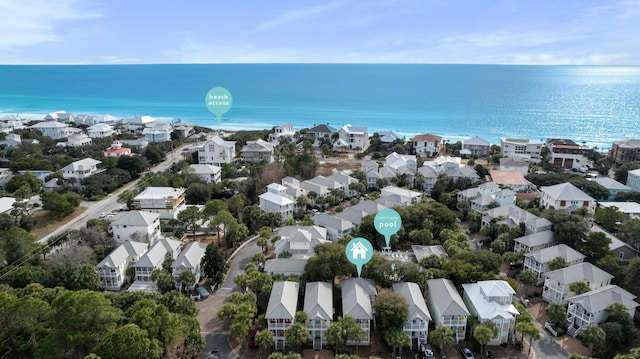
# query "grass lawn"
(46, 225)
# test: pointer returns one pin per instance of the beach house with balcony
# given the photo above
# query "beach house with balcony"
(590, 308)
(447, 307)
(284, 130)
(426, 144)
(358, 296)
(567, 154)
(257, 151)
(208, 173)
(513, 216)
(135, 125)
(166, 201)
(534, 241)
(392, 196)
(521, 149)
(538, 260)
(556, 283)
(416, 324)
(140, 226)
(160, 251)
(479, 198)
(336, 227)
(352, 138)
(79, 139)
(189, 259)
(565, 196)
(275, 202)
(281, 310)
(318, 305)
(54, 129)
(321, 132)
(217, 152)
(100, 130)
(476, 146)
(625, 151)
(491, 301)
(81, 169)
(112, 270)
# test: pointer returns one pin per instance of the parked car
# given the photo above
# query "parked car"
(427, 351)
(466, 352)
(202, 292)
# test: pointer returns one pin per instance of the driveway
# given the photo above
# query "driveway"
(215, 331)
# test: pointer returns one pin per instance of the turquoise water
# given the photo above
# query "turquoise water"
(592, 104)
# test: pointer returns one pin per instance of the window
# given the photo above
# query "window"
(621, 254)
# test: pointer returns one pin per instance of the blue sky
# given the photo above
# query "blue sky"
(332, 31)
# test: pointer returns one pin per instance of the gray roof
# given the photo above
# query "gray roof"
(566, 191)
(287, 266)
(579, 272)
(600, 299)
(413, 296)
(446, 298)
(190, 256)
(128, 250)
(161, 249)
(427, 251)
(318, 300)
(475, 141)
(536, 239)
(205, 169)
(81, 164)
(329, 221)
(546, 255)
(136, 218)
(611, 184)
(283, 301)
(357, 294)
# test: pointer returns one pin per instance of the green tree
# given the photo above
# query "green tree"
(264, 339)
(135, 165)
(198, 193)
(186, 279)
(595, 246)
(214, 263)
(442, 337)
(296, 335)
(557, 313)
(484, 332)
(623, 171)
(579, 287)
(558, 263)
(163, 280)
(190, 216)
(396, 338)
(391, 310)
(593, 336)
(533, 333)
(632, 276)
(609, 217)
(128, 341)
(528, 277)
(57, 204)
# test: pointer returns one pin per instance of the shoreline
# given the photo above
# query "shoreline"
(228, 126)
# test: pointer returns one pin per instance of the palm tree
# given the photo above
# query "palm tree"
(265, 340)
(484, 333)
(528, 277)
(557, 314)
(186, 278)
(296, 335)
(442, 337)
(593, 336)
(534, 334)
(397, 338)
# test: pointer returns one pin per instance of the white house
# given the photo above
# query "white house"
(392, 196)
(418, 317)
(513, 216)
(538, 260)
(447, 307)
(336, 227)
(116, 150)
(321, 131)
(217, 152)
(285, 266)
(281, 310)
(53, 129)
(631, 209)
(318, 304)
(182, 127)
(160, 251)
(534, 241)
(135, 125)
(60, 116)
(556, 283)
(567, 154)
(166, 201)
(479, 198)
(521, 149)
(100, 130)
(476, 146)
(352, 138)
(81, 169)
(274, 203)
(285, 130)
(140, 226)
(189, 260)
(426, 144)
(112, 270)
(358, 295)
(208, 173)
(565, 196)
(299, 241)
(76, 140)
(490, 301)
(590, 308)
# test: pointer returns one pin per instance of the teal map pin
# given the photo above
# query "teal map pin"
(359, 252)
(387, 223)
(218, 100)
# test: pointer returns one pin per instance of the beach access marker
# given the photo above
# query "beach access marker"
(218, 100)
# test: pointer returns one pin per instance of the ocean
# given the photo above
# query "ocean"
(590, 104)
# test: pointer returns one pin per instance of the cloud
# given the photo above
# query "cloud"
(295, 15)
(34, 22)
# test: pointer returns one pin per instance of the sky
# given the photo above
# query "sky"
(547, 32)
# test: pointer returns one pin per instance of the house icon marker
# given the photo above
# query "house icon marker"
(358, 251)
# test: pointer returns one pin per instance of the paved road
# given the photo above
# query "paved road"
(110, 202)
(215, 331)
(547, 347)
